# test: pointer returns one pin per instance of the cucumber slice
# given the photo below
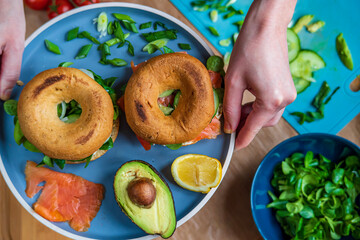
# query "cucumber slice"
(293, 43)
(300, 84)
(216, 102)
(305, 63)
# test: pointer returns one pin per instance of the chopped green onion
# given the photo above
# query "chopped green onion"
(117, 62)
(225, 42)
(83, 52)
(121, 17)
(235, 36)
(184, 46)
(52, 47)
(230, 2)
(158, 43)
(201, 9)
(167, 50)
(157, 23)
(227, 58)
(112, 41)
(118, 32)
(72, 34)
(214, 15)
(152, 36)
(65, 64)
(110, 28)
(214, 31)
(174, 146)
(85, 34)
(166, 93)
(130, 26)
(102, 24)
(145, 25)
(166, 110)
(229, 15)
(130, 48)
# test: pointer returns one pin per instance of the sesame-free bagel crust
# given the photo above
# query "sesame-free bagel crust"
(38, 119)
(196, 105)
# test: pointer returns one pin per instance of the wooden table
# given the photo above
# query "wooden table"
(226, 216)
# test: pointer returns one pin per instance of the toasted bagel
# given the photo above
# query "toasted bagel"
(40, 124)
(193, 112)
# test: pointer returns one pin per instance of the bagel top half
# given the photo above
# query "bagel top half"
(40, 124)
(193, 112)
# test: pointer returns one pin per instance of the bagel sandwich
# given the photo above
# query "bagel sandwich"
(69, 115)
(174, 100)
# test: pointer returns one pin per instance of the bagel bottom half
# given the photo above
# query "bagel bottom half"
(194, 111)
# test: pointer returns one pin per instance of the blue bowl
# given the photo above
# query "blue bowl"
(331, 146)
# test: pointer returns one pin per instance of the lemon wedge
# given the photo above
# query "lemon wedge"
(196, 172)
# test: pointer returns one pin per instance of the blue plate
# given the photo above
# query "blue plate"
(110, 222)
(331, 146)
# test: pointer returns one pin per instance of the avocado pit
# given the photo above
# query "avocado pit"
(142, 192)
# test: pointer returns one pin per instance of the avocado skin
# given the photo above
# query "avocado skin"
(140, 162)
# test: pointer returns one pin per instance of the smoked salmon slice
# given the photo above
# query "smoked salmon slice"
(64, 196)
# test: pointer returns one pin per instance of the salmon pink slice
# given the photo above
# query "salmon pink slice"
(64, 196)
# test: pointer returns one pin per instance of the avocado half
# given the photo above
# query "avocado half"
(145, 198)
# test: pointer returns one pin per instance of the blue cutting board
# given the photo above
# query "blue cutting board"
(339, 17)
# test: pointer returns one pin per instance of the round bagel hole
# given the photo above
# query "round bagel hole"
(69, 112)
(168, 100)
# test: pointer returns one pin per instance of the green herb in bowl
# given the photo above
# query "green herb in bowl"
(314, 197)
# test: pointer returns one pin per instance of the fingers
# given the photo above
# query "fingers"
(275, 119)
(10, 68)
(257, 118)
(234, 90)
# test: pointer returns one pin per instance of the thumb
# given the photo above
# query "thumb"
(234, 91)
(10, 68)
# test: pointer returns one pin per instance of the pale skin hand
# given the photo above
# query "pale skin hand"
(259, 63)
(12, 37)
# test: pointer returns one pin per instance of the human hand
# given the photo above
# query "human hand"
(259, 63)
(12, 29)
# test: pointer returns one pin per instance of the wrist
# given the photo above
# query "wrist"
(272, 13)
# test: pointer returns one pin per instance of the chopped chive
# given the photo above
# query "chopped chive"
(184, 46)
(167, 50)
(130, 26)
(65, 64)
(72, 34)
(214, 15)
(121, 17)
(157, 23)
(117, 62)
(201, 9)
(112, 41)
(229, 15)
(214, 31)
(331, 95)
(151, 47)
(235, 36)
(145, 25)
(130, 48)
(83, 52)
(225, 42)
(85, 34)
(52, 47)
(110, 29)
(152, 36)
(230, 2)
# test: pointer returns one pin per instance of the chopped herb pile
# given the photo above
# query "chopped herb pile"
(315, 198)
(318, 103)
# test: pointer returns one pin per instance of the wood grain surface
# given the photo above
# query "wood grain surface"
(226, 216)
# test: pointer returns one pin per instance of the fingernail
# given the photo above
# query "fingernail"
(6, 95)
(227, 128)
